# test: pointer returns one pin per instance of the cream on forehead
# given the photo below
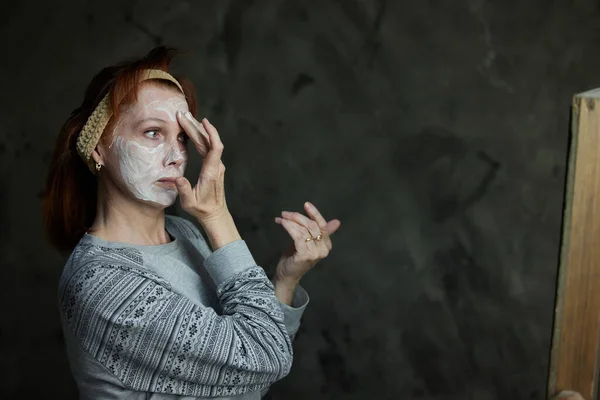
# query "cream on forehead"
(153, 99)
(169, 106)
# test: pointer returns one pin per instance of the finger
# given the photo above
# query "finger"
(328, 228)
(200, 127)
(191, 127)
(309, 224)
(312, 211)
(301, 232)
(211, 165)
(189, 124)
(185, 191)
(210, 130)
(196, 124)
(333, 226)
(312, 228)
(299, 236)
(298, 232)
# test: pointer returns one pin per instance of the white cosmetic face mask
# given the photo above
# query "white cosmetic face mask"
(142, 166)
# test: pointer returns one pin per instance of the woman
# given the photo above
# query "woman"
(148, 308)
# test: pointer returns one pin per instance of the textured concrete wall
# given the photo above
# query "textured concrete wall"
(436, 131)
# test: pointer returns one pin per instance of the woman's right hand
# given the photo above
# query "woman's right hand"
(206, 200)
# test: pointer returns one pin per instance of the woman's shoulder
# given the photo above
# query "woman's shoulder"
(88, 259)
(88, 250)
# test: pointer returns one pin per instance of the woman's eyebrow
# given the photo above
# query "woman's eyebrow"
(141, 121)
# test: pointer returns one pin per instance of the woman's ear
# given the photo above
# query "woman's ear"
(97, 157)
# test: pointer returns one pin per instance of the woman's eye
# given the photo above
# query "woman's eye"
(152, 134)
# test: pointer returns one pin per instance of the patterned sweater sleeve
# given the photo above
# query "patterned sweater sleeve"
(155, 340)
(292, 314)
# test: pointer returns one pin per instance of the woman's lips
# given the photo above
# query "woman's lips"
(167, 181)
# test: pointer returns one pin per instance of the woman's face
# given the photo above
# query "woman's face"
(146, 149)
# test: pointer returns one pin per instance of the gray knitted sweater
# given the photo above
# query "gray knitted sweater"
(174, 321)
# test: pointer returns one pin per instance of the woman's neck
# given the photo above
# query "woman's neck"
(126, 220)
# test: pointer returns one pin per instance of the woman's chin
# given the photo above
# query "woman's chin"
(160, 198)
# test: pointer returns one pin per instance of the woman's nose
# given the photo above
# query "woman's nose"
(175, 155)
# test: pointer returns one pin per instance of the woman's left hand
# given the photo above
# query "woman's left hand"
(301, 256)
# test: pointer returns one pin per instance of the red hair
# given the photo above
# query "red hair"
(70, 197)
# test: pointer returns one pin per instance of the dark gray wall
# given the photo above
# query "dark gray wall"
(436, 131)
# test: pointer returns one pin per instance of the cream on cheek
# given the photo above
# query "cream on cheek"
(141, 166)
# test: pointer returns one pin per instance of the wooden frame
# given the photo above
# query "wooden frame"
(574, 360)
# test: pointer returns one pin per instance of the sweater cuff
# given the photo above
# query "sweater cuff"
(228, 261)
(292, 314)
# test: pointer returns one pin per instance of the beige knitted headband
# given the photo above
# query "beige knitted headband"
(95, 124)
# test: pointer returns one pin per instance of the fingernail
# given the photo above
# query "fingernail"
(309, 205)
(188, 115)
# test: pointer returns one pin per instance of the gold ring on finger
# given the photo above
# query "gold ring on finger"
(308, 240)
